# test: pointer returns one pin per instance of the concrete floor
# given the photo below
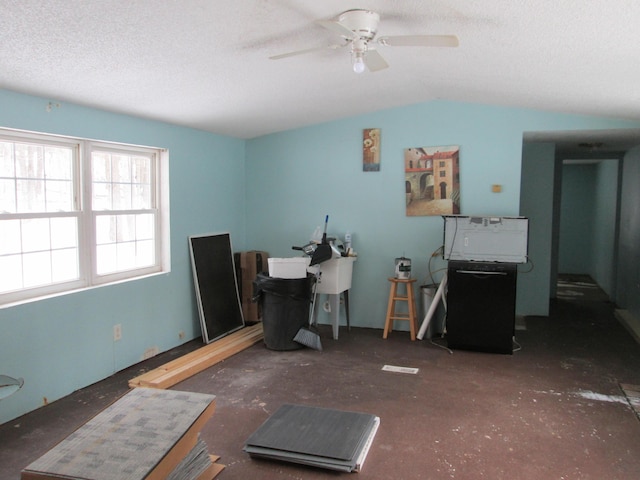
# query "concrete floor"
(552, 410)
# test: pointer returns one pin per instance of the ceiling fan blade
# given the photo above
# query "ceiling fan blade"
(420, 41)
(374, 61)
(338, 28)
(302, 52)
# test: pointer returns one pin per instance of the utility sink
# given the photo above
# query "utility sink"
(335, 275)
(335, 278)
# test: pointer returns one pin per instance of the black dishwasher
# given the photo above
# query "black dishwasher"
(481, 302)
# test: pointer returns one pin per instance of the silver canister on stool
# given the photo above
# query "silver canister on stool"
(403, 268)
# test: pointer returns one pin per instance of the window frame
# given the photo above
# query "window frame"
(88, 276)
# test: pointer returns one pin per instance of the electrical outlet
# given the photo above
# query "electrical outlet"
(117, 332)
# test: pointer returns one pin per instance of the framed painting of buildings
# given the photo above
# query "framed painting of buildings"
(432, 180)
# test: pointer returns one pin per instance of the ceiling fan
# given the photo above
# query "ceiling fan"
(358, 30)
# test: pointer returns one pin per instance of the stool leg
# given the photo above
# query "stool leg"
(412, 311)
(388, 324)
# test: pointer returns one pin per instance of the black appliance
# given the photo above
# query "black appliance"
(481, 302)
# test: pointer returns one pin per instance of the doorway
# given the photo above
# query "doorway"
(588, 224)
(543, 157)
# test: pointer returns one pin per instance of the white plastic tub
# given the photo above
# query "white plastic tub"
(294, 267)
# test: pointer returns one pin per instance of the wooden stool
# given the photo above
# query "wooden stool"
(391, 309)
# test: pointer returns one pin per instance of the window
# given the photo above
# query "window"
(77, 213)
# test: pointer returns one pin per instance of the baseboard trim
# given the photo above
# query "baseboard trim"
(631, 323)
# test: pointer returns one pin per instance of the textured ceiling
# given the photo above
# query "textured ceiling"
(205, 63)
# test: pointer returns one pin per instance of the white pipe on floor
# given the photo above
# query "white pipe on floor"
(432, 308)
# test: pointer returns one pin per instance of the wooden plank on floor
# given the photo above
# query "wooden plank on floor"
(200, 359)
(631, 390)
(211, 472)
(194, 362)
(188, 358)
(207, 359)
(150, 376)
(217, 467)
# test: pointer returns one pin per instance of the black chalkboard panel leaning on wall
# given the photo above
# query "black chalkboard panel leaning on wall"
(214, 276)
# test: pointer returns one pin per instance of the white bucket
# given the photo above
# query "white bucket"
(403, 268)
(294, 267)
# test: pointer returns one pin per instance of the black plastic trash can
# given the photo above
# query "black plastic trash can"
(285, 308)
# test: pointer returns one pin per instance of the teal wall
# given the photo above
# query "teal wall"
(539, 180)
(628, 273)
(65, 343)
(296, 177)
(270, 193)
(589, 220)
(577, 217)
(604, 249)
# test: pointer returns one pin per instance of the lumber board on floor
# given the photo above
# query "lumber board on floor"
(194, 362)
(215, 347)
(213, 470)
(216, 467)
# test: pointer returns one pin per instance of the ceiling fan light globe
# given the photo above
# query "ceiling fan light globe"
(358, 65)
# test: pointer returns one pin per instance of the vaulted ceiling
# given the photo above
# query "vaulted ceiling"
(205, 63)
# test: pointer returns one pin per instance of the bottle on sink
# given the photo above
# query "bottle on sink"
(347, 242)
